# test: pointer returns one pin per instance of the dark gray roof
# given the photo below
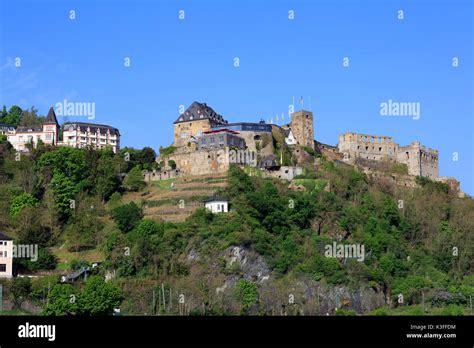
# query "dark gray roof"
(4, 125)
(4, 237)
(200, 111)
(51, 117)
(103, 128)
(29, 129)
(286, 132)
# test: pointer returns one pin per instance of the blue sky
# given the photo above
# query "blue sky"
(175, 62)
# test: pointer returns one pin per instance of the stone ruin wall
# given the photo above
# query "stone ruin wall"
(302, 128)
(421, 161)
(378, 148)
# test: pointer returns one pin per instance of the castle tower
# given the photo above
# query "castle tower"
(302, 128)
(195, 120)
(51, 128)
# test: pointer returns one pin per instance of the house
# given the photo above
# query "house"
(6, 256)
(289, 137)
(217, 205)
(7, 129)
(48, 133)
(80, 134)
(221, 138)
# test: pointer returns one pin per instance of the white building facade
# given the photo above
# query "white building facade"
(6, 256)
(217, 205)
(80, 135)
(48, 133)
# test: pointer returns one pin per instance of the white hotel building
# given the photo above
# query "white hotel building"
(75, 134)
(79, 134)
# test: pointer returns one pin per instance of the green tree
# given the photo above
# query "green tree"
(107, 178)
(99, 297)
(13, 116)
(64, 190)
(62, 300)
(21, 201)
(134, 180)
(127, 216)
(247, 294)
(19, 291)
(46, 261)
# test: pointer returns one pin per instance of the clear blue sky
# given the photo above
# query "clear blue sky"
(176, 62)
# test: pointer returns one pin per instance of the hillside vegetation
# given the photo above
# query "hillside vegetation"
(266, 256)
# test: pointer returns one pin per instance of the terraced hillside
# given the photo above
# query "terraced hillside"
(176, 199)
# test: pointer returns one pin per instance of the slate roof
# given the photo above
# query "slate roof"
(103, 128)
(6, 126)
(29, 129)
(4, 237)
(200, 111)
(51, 117)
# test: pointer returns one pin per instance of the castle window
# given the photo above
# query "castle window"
(380, 149)
(366, 148)
(212, 140)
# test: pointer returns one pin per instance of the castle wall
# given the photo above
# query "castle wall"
(202, 162)
(421, 161)
(302, 128)
(184, 130)
(379, 148)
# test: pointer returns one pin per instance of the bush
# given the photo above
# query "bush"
(21, 201)
(134, 180)
(247, 294)
(20, 290)
(127, 216)
(46, 261)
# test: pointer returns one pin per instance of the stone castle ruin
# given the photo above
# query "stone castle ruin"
(420, 161)
(206, 143)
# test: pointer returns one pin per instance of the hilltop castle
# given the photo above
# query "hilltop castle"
(205, 143)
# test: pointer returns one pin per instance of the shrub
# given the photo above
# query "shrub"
(247, 294)
(127, 216)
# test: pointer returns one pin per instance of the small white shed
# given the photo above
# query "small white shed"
(217, 205)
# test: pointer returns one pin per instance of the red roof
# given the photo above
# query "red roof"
(222, 130)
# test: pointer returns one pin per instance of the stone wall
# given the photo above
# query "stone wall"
(353, 146)
(184, 130)
(284, 172)
(156, 175)
(302, 127)
(202, 162)
(421, 161)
